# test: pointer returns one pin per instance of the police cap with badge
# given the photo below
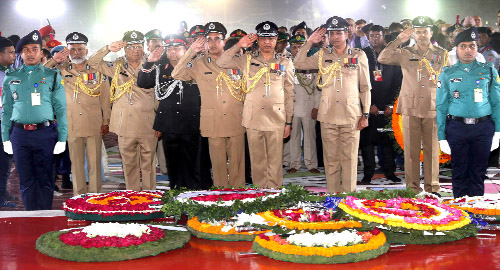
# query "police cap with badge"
(133, 37)
(301, 25)
(283, 37)
(238, 33)
(467, 35)
(32, 38)
(153, 34)
(297, 39)
(5, 42)
(196, 31)
(422, 21)
(215, 27)
(76, 38)
(173, 40)
(337, 23)
(266, 29)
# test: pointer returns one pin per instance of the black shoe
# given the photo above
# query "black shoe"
(437, 194)
(366, 180)
(393, 178)
(56, 188)
(66, 183)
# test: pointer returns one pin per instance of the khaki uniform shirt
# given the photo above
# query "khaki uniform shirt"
(132, 117)
(264, 111)
(417, 96)
(340, 99)
(85, 114)
(221, 114)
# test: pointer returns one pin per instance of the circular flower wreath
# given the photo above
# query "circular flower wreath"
(487, 205)
(222, 231)
(323, 248)
(115, 206)
(397, 128)
(76, 245)
(417, 214)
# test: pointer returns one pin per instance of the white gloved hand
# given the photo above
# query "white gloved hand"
(59, 148)
(7, 147)
(445, 147)
(496, 141)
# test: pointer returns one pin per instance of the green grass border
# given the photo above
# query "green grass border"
(220, 237)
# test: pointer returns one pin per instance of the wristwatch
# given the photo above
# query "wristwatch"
(289, 124)
(366, 115)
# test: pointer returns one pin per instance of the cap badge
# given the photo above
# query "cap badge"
(171, 38)
(133, 35)
(211, 26)
(266, 27)
(334, 21)
(35, 37)
(421, 20)
(299, 38)
(473, 35)
(75, 37)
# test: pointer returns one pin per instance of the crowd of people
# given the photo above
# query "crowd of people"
(213, 108)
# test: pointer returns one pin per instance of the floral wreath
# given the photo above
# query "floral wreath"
(487, 205)
(223, 230)
(121, 205)
(323, 248)
(397, 128)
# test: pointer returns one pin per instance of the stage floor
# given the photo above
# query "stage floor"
(19, 235)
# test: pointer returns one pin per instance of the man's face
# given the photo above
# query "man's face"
(32, 54)
(467, 51)
(484, 39)
(351, 28)
(215, 43)
(360, 26)
(8, 56)
(423, 35)
(376, 38)
(478, 20)
(77, 53)
(267, 44)
(153, 44)
(134, 52)
(46, 39)
(301, 32)
(174, 53)
(294, 49)
(406, 24)
(281, 46)
(338, 38)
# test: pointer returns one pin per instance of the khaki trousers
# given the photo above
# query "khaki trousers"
(418, 132)
(138, 157)
(340, 155)
(77, 147)
(266, 153)
(228, 160)
(310, 155)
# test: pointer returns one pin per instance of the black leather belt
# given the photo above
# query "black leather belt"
(469, 121)
(33, 126)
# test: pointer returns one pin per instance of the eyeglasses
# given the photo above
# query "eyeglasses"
(134, 48)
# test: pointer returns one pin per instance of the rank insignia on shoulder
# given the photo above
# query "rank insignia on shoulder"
(104, 78)
(189, 65)
(438, 84)
(456, 94)
(110, 64)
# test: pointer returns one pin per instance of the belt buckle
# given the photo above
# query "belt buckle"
(470, 121)
(30, 127)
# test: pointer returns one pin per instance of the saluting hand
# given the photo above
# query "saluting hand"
(317, 36)
(155, 54)
(117, 45)
(247, 41)
(406, 35)
(199, 44)
(61, 56)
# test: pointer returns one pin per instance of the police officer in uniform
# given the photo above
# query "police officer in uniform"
(485, 47)
(221, 105)
(268, 105)
(177, 120)
(133, 113)
(154, 39)
(306, 100)
(344, 104)
(31, 96)
(468, 115)
(88, 111)
(421, 65)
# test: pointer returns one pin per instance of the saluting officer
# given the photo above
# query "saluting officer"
(468, 115)
(268, 105)
(344, 104)
(88, 111)
(31, 96)
(133, 113)
(177, 120)
(421, 65)
(221, 105)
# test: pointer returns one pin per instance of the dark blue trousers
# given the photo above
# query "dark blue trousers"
(34, 157)
(5, 164)
(470, 149)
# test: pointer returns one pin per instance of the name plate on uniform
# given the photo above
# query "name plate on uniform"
(35, 99)
(478, 95)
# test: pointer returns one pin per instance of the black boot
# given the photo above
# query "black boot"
(66, 183)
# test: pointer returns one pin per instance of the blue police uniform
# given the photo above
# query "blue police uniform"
(468, 115)
(31, 96)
